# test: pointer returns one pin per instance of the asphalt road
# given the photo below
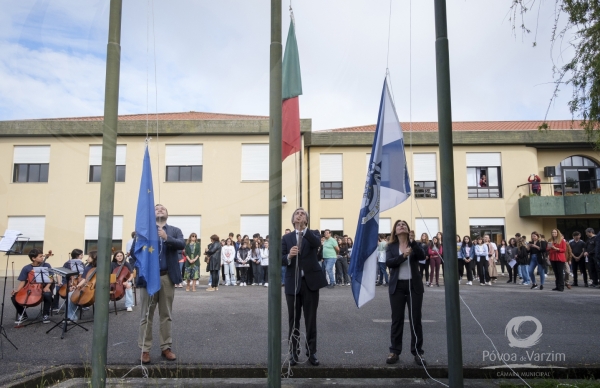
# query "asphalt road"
(229, 327)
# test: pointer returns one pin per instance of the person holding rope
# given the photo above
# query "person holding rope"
(303, 279)
(171, 242)
(406, 289)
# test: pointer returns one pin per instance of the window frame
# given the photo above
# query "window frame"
(488, 188)
(201, 167)
(27, 174)
(91, 174)
(117, 245)
(24, 247)
(323, 190)
(426, 191)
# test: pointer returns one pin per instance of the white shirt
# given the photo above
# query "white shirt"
(264, 256)
(404, 273)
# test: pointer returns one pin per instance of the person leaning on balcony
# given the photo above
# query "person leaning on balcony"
(556, 249)
(536, 187)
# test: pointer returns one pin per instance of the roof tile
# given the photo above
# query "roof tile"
(432, 126)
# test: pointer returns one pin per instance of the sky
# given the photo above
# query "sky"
(213, 56)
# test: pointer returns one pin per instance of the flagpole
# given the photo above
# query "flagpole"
(275, 114)
(107, 194)
(453, 334)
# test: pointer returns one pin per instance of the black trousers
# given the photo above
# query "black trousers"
(257, 272)
(47, 300)
(513, 273)
(593, 269)
(414, 301)
(265, 271)
(461, 268)
(579, 265)
(482, 270)
(243, 276)
(341, 271)
(469, 269)
(307, 302)
(558, 268)
(214, 279)
(424, 268)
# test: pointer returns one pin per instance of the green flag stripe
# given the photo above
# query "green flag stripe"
(292, 82)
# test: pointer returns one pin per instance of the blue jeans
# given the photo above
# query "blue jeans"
(382, 273)
(283, 271)
(524, 270)
(329, 263)
(534, 263)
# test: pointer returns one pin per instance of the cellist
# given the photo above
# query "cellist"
(91, 263)
(117, 261)
(37, 260)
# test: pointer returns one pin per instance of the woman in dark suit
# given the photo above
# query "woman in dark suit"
(406, 289)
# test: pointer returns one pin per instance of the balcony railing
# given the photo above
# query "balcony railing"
(571, 198)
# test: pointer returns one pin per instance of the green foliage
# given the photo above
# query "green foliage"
(577, 21)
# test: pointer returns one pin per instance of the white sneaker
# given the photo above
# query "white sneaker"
(266, 284)
(482, 284)
(129, 309)
(469, 283)
(255, 284)
(488, 284)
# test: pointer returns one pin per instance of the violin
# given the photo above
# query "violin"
(31, 293)
(86, 296)
(117, 289)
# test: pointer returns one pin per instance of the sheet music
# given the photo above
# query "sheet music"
(42, 275)
(10, 236)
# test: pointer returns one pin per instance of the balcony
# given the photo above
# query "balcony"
(555, 204)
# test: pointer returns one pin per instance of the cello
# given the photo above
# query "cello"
(117, 289)
(86, 296)
(31, 293)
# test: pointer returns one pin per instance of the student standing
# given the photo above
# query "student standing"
(242, 261)
(435, 259)
(468, 254)
(191, 267)
(481, 256)
(382, 273)
(214, 261)
(228, 260)
(255, 261)
(578, 248)
(424, 264)
(556, 251)
(461, 258)
(536, 249)
(330, 251)
(264, 262)
(511, 254)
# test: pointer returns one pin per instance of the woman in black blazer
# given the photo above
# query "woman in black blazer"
(406, 289)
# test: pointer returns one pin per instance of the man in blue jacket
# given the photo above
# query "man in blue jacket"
(171, 242)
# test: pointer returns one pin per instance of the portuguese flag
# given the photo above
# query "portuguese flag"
(292, 88)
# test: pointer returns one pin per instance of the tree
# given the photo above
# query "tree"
(576, 20)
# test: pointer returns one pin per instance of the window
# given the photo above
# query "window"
(335, 226)
(187, 224)
(255, 162)
(332, 190)
(385, 226)
(31, 164)
(184, 163)
(252, 224)
(96, 163)
(484, 175)
(426, 225)
(91, 233)
(331, 176)
(493, 227)
(425, 175)
(577, 174)
(31, 228)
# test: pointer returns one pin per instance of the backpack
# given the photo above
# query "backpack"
(568, 253)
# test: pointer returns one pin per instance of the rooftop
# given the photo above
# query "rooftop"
(432, 126)
(191, 115)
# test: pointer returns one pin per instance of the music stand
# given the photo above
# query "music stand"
(67, 273)
(8, 240)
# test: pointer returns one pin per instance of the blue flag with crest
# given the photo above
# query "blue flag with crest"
(146, 243)
(387, 185)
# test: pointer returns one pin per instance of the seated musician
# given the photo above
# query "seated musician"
(37, 260)
(75, 263)
(91, 263)
(117, 261)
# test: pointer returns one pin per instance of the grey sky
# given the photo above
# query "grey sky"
(214, 56)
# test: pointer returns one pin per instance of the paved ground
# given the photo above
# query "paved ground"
(229, 327)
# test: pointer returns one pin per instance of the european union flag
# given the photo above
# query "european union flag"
(146, 245)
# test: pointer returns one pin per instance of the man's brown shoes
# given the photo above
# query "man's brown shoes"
(169, 355)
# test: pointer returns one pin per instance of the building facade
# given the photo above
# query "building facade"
(211, 172)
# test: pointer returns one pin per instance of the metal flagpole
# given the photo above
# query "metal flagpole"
(453, 335)
(275, 104)
(107, 194)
